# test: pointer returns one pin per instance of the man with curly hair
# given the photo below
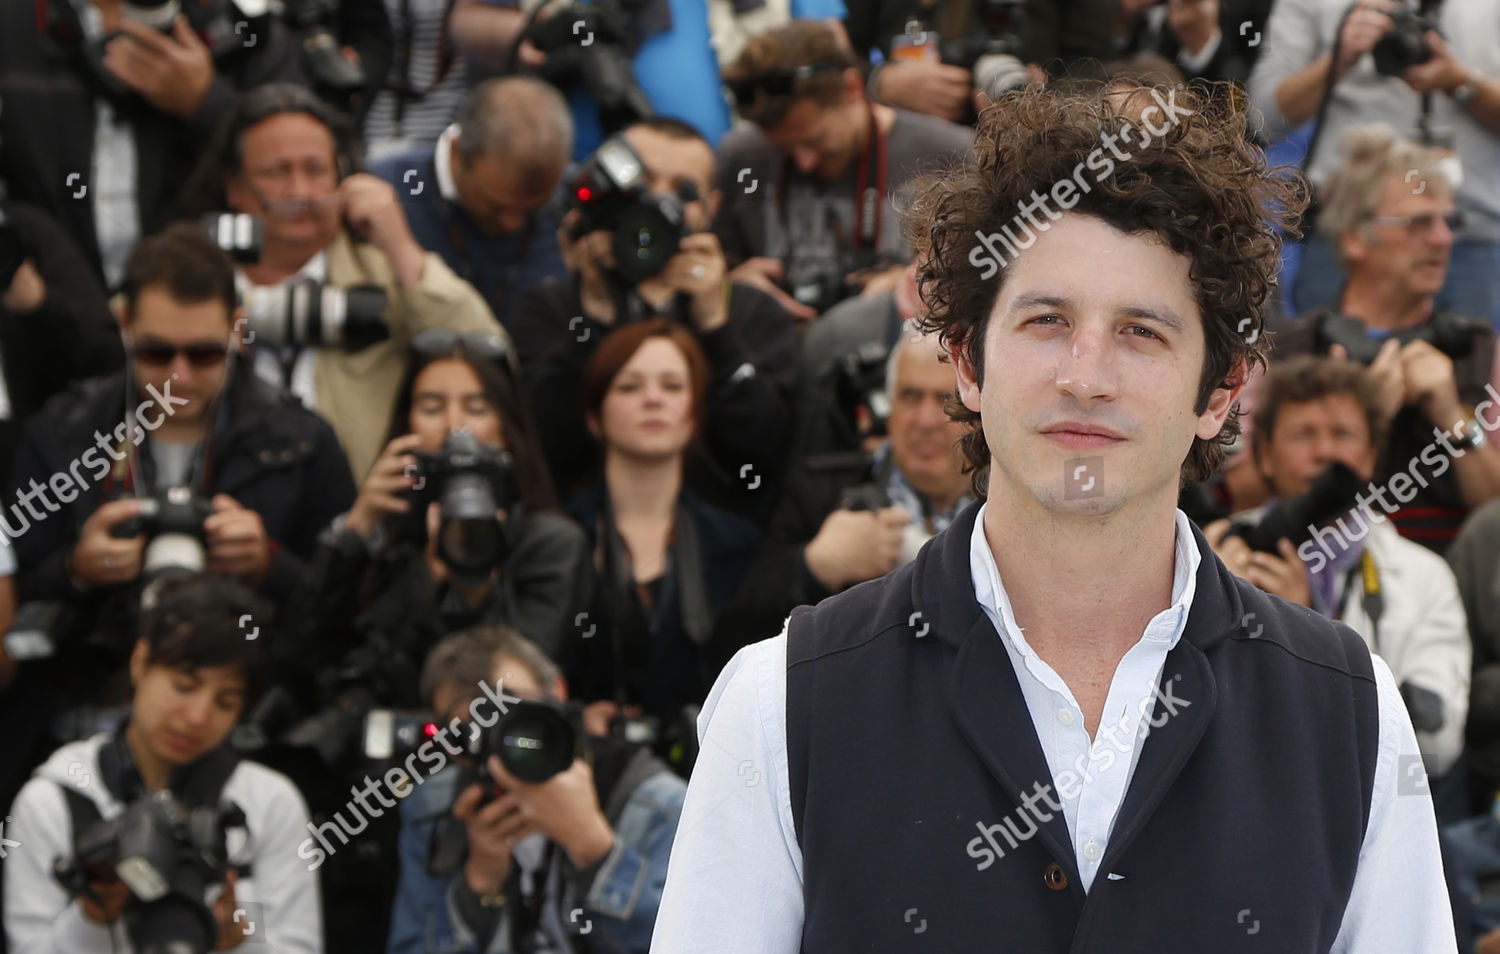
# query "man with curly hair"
(1066, 727)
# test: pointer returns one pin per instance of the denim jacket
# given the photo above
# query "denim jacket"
(618, 894)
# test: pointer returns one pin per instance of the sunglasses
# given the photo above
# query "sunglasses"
(435, 342)
(1423, 223)
(200, 354)
(746, 91)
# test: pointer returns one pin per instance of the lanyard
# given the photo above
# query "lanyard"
(1371, 597)
(869, 205)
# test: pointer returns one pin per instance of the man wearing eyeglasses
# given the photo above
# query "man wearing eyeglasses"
(1390, 204)
(808, 184)
(185, 413)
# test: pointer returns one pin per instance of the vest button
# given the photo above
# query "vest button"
(1054, 877)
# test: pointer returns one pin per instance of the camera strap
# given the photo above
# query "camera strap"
(1365, 575)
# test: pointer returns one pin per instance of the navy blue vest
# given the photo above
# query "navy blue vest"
(907, 737)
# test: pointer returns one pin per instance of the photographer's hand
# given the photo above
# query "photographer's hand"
(374, 211)
(99, 559)
(232, 933)
(1443, 72)
(27, 291)
(1430, 384)
(237, 541)
(380, 495)
(493, 830)
(698, 271)
(1284, 576)
(925, 87)
(853, 546)
(764, 273)
(565, 808)
(1387, 373)
(1363, 28)
(172, 73)
(586, 256)
(108, 902)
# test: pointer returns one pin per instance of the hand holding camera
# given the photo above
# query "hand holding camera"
(172, 73)
(1364, 27)
(100, 558)
(1415, 372)
(766, 274)
(104, 903)
(853, 546)
(699, 272)
(565, 808)
(926, 86)
(1280, 574)
(237, 541)
(1442, 72)
(382, 492)
(373, 210)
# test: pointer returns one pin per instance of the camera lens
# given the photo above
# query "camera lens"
(535, 741)
(470, 538)
(157, 14)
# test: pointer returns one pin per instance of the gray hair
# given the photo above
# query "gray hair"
(520, 119)
(1371, 154)
(464, 659)
(910, 334)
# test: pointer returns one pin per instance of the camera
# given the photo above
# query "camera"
(173, 522)
(993, 55)
(167, 855)
(156, 14)
(859, 389)
(822, 292)
(13, 251)
(674, 740)
(308, 312)
(237, 233)
(584, 45)
(610, 193)
(535, 740)
(331, 75)
(470, 481)
(1405, 46)
(1452, 335)
(1332, 495)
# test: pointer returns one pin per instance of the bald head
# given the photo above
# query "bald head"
(514, 141)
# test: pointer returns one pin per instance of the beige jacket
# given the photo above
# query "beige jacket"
(356, 392)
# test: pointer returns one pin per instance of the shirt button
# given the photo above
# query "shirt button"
(1054, 878)
(1091, 850)
(1065, 716)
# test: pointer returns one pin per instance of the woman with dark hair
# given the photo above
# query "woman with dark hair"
(388, 565)
(668, 562)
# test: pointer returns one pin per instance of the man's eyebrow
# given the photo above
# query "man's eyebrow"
(1163, 316)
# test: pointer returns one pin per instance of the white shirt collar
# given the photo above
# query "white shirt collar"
(442, 160)
(1165, 626)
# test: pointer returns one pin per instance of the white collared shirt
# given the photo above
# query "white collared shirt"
(267, 357)
(734, 884)
(442, 163)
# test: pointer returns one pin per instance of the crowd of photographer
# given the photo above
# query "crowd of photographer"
(449, 484)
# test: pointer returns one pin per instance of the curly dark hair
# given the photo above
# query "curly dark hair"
(1202, 187)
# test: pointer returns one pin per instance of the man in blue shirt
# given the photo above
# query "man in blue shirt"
(484, 198)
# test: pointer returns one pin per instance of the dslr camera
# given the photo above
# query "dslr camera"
(1332, 495)
(610, 193)
(331, 76)
(584, 44)
(173, 523)
(470, 481)
(1406, 45)
(1452, 335)
(168, 855)
(535, 740)
(308, 312)
(994, 56)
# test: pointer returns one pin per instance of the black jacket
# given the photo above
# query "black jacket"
(389, 598)
(270, 454)
(748, 413)
(1252, 790)
(47, 126)
(72, 335)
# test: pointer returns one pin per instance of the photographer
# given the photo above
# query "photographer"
(381, 566)
(808, 217)
(208, 461)
(286, 158)
(750, 342)
(1349, 63)
(485, 198)
(104, 112)
(669, 563)
(194, 673)
(583, 852)
(55, 324)
(1432, 367)
(850, 517)
(1402, 598)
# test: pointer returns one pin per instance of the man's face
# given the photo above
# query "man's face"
(923, 437)
(179, 346)
(1093, 355)
(289, 176)
(822, 142)
(510, 677)
(1311, 435)
(496, 200)
(1414, 257)
(182, 714)
(670, 163)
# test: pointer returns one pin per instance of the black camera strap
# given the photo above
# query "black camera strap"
(1367, 577)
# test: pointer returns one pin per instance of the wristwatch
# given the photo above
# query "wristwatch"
(1472, 437)
(1467, 90)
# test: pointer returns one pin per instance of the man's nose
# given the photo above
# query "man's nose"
(1087, 369)
(806, 159)
(197, 708)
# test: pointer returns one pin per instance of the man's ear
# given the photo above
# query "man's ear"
(120, 309)
(1355, 243)
(138, 659)
(560, 689)
(968, 380)
(712, 203)
(854, 85)
(1221, 401)
(237, 341)
(591, 420)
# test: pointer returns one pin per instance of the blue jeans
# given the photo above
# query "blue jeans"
(1472, 288)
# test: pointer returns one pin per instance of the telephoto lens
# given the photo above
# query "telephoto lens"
(306, 312)
(535, 740)
(236, 233)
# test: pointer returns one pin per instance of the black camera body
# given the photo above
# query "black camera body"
(1405, 45)
(821, 292)
(859, 389)
(470, 481)
(610, 194)
(535, 740)
(331, 75)
(172, 521)
(1332, 495)
(307, 312)
(168, 855)
(1449, 333)
(584, 44)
